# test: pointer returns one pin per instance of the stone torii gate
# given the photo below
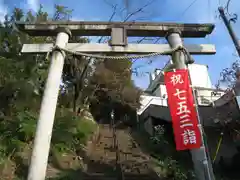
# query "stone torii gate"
(119, 32)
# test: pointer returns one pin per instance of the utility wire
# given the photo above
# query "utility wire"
(209, 10)
(190, 5)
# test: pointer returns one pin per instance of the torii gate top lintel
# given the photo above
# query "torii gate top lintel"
(134, 29)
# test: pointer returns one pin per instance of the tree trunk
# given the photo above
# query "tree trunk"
(75, 97)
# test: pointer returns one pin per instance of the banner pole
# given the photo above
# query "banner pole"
(207, 163)
(199, 156)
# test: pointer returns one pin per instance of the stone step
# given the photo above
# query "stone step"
(113, 177)
(133, 160)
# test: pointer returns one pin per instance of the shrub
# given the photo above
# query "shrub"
(71, 131)
(17, 133)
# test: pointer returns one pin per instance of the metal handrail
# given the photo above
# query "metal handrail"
(118, 166)
(153, 98)
(145, 107)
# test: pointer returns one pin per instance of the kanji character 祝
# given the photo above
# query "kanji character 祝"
(182, 108)
(180, 94)
(189, 137)
(176, 79)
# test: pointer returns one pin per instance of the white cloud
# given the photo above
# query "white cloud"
(75, 18)
(33, 4)
(3, 11)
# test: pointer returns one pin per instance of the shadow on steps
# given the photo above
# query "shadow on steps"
(78, 175)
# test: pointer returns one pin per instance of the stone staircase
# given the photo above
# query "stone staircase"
(133, 160)
(135, 165)
(100, 153)
(126, 177)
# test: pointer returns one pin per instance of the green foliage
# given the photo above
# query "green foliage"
(114, 80)
(70, 131)
(22, 80)
(113, 90)
(27, 125)
(172, 163)
(169, 163)
(158, 137)
(16, 131)
(62, 13)
(169, 168)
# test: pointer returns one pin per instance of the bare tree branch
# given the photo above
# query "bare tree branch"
(227, 6)
(233, 16)
(110, 19)
(141, 9)
(118, 12)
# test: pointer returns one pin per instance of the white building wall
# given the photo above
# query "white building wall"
(157, 92)
(160, 91)
(150, 100)
(163, 91)
(199, 75)
(207, 96)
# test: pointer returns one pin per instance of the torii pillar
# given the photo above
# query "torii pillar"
(202, 164)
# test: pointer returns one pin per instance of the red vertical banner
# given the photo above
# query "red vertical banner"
(182, 109)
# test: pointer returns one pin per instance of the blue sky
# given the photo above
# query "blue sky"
(188, 11)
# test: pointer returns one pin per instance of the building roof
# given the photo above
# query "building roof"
(159, 79)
